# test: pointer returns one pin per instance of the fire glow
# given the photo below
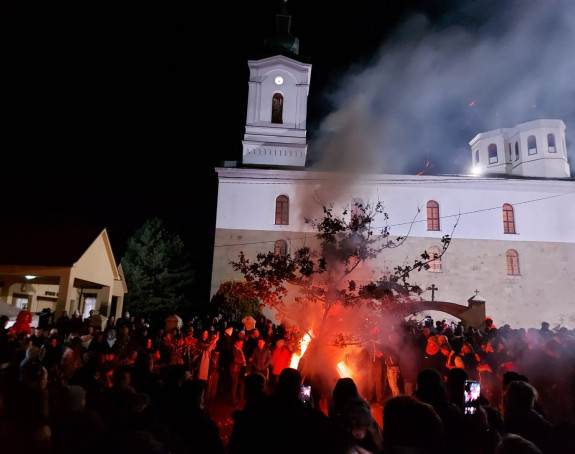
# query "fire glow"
(343, 370)
(303, 347)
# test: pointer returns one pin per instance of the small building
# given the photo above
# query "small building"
(60, 267)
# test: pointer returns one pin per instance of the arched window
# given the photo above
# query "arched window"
(277, 108)
(508, 219)
(435, 263)
(551, 143)
(531, 145)
(432, 215)
(280, 248)
(476, 156)
(492, 153)
(516, 151)
(282, 210)
(510, 152)
(512, 263)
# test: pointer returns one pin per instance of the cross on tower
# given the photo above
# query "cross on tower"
(476, 292)
(433, 288)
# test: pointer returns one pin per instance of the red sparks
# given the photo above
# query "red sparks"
(428, 166)
(471, 103)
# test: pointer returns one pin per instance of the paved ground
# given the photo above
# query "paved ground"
(220, 411)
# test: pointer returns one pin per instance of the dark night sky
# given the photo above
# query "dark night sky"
(119, 113)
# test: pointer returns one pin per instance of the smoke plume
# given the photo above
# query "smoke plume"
(434, 85)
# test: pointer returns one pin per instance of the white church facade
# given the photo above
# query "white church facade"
(512, 223)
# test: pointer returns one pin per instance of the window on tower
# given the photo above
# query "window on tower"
(492, 153)
(531, 145)
(277, 108)
(516, 151)
(282, 210)
(551, 143)
(508, 219)
(432, 215)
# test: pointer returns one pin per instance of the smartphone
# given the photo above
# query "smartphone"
(305, 394)
(471, 394)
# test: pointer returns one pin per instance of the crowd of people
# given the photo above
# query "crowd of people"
(71, 384)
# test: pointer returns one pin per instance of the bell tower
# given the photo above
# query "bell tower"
(276, 117)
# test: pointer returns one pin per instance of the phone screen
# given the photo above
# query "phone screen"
(471, 396)
(305, 393)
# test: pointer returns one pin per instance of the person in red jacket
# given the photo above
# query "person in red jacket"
(281, 358)
(22, 325)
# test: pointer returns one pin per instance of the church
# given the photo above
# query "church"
(510, 221)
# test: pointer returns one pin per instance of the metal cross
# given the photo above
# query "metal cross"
(433, 288)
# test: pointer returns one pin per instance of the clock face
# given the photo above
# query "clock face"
(279, 80)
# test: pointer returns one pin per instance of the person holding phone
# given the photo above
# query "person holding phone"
(291, 426)
(471, 394)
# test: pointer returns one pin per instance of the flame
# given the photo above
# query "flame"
(343, 370)
(305, 340)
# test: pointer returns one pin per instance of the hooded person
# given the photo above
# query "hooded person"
(22, 325)
(361, 432)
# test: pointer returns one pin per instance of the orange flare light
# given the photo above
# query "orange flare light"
(343, 370)
(305, 340)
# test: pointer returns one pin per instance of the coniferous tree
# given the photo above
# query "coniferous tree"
(157, 272)
(233, 299)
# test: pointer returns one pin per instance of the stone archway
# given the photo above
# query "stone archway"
(471, 315)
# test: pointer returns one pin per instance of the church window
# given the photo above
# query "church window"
(512, 263)
(508, 219)
(277, 108)
(551, 143)
(282, 210)
(492, 153)
(531, 145)
(280, 248)
(432, 215)
(516, 151)
(435, 259)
